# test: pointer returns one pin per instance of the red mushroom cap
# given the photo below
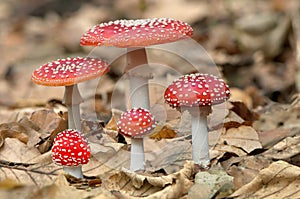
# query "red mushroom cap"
(136, 33)
(70, 148)
(69, 71)
(196, 90)
(136, 123)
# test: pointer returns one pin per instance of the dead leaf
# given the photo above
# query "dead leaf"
(238, 95)
(12, 130)
(163, 132)
(243, 111)
(270, 137)
(112, 124)
(142, 185)
(244, 137)
(48, 121)
(278, 117)
(244, 168)
(284, 149)
(279, 180)
(167, 154)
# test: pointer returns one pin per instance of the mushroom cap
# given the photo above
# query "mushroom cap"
(136, 33)
(196, 90)
(70, 148)
(69, 71)
(136, 123)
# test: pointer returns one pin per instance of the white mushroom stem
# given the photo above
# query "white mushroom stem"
(138, 74)
(200, 145)
(74, 171)
(72, 100)
(137, 156)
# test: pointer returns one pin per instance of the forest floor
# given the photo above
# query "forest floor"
(254, 137)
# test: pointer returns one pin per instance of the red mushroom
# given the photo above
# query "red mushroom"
(197, 93)
(136, 123)
(135, 35)
(68, 72)
(71, 150)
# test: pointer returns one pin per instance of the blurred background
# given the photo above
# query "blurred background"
(255, 43)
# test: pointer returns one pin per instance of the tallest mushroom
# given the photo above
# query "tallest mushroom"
(135, 35)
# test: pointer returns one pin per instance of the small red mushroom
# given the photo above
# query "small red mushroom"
(135, 35)
(197, 93)
(136, 123)
(71, 150)
(68, 72)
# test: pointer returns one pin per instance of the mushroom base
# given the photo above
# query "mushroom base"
(137, 156)
(74, 171)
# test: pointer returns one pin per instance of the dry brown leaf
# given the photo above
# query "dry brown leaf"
(142, 185)
(278, 117)
(279, 180)
(243, 111)
(163, 132)
(271, 137)
(19, 162)
(112, 124)
(48, 121)
(12, 130)
(245, 168)
(62, 190)
(167, 154)
(244, 137)
(284, 149)
(238, 95)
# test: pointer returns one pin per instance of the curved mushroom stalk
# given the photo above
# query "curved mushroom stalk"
(138, 73)
(72, 100)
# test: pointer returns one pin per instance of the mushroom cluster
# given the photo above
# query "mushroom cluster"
(195, 93)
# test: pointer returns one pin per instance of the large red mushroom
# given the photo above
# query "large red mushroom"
(136, 123)
(68, 72)
(197, 93)
(71, 150)
(135, 35)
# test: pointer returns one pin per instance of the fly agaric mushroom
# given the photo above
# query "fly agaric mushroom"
(68, 72)
(71, 150)
(136, 123)
(197, 93)
(135, 35)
